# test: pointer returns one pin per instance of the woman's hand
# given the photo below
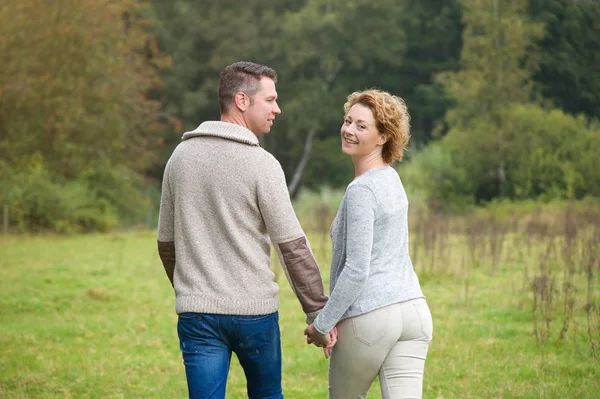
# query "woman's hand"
(316, 338)
(333, 336)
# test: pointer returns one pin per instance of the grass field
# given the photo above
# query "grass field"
(93, 317)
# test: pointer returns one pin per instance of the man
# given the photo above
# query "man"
(223, 197)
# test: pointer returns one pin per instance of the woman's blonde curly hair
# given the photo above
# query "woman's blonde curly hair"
(392, 118)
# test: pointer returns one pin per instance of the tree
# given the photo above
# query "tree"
(433, 42)
(497, 62)
(347, 32)
(570, 54)
(75, 77)
(229, 32)
(321, 50)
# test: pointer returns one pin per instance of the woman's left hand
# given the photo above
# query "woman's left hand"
(333, 336)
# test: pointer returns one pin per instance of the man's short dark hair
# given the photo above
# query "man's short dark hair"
(241, 76)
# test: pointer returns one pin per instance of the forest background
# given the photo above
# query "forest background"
(502, 174)
(94, 96)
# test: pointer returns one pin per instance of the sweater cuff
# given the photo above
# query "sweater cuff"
(310, 317)
(320, 329)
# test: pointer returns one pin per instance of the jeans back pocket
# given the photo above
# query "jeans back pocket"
(424, 313)
(370, 327)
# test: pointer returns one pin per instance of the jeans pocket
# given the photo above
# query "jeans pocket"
(188, 316)
(256, 331)
(424, 314)
(192, 332)
(370, 327)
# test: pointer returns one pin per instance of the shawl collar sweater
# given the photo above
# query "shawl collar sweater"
(224, 201)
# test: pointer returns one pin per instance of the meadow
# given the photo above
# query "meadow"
(515, 297)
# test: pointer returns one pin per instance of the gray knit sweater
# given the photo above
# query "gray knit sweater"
(370, 266)
(224, 201)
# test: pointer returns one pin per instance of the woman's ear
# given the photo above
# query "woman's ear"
(383, 138)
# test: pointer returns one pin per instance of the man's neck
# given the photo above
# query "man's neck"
(235, 119)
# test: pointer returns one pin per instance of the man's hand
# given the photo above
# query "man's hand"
(316, 338)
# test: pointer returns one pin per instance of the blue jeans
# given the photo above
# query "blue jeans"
(207, 341)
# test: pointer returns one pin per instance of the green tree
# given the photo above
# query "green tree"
(497, 62)
(433, 42)
(202, 37)
(320, 48)
(354, 37)
(570, 54)
(75, 77)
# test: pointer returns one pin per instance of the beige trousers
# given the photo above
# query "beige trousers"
(391, 342)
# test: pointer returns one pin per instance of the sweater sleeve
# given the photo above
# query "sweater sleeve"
(166, 228)
(290, 242)
(360, 219)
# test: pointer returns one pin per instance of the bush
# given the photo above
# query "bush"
(548, 155)
(121, 188)
(551, 154)
(432, 175)
(98, 200)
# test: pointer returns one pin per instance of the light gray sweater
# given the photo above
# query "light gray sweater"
(370, 266)
(224, 201)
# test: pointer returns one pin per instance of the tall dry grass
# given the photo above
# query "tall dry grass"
(555, 247)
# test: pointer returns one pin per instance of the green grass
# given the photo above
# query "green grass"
(93, 317)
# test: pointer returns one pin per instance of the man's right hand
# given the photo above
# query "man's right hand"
(316, 338)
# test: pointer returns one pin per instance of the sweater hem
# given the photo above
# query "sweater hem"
(202, 304)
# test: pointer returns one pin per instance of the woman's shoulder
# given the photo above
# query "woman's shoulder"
(379, 181)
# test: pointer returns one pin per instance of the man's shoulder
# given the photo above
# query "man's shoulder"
(268, 158)
(253, 159)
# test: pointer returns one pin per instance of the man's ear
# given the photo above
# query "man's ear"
(242, 101)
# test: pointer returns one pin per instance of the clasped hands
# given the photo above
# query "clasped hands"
(326, 341)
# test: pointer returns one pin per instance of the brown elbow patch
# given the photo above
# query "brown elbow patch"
(304, 274)
(166, 251)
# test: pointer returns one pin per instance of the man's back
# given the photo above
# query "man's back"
(222, 198)
(226, 195)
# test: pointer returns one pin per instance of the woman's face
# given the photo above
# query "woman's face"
(360, 136)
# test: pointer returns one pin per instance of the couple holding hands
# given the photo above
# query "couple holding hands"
(224, 203)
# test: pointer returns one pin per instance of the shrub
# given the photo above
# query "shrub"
(432, 174)
(98, 200)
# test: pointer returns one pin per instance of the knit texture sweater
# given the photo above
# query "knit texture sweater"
(224, 202)
(370, 266)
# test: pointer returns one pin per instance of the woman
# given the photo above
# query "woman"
(383, 322)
